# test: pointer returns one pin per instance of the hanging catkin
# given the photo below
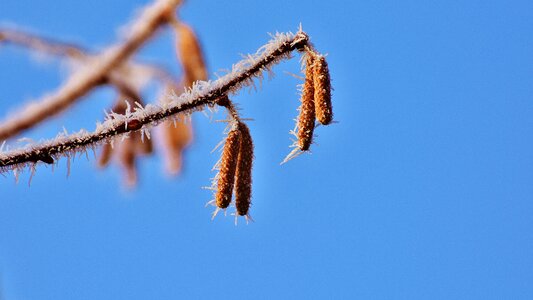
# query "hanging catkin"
(322, 86)
(243, 177)
(228, 166)
(105, 155)
(306, 119)
(190, 54)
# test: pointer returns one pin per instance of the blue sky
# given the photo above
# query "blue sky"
(423, 190)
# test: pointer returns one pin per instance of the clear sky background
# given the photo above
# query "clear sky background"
(423, 190)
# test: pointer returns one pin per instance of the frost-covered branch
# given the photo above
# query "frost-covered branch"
(202, 94)
(93, 74)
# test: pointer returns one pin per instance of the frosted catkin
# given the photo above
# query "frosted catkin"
(190, 55)
(322, 85)
(228, 166)
(243, 177)
(306, 119)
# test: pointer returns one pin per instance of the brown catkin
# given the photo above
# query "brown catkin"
(228, 166)
(243, 177)
(190, 55)
(145, 144)
(127, 157)
(177, 136)
(306, 119)
(322, 84)
(105, 155)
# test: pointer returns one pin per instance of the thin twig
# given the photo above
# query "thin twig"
(41, 44)
(81, 82)
(202, 94)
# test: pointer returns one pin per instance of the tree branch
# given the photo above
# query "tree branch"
(41, 44)
(202, 94)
